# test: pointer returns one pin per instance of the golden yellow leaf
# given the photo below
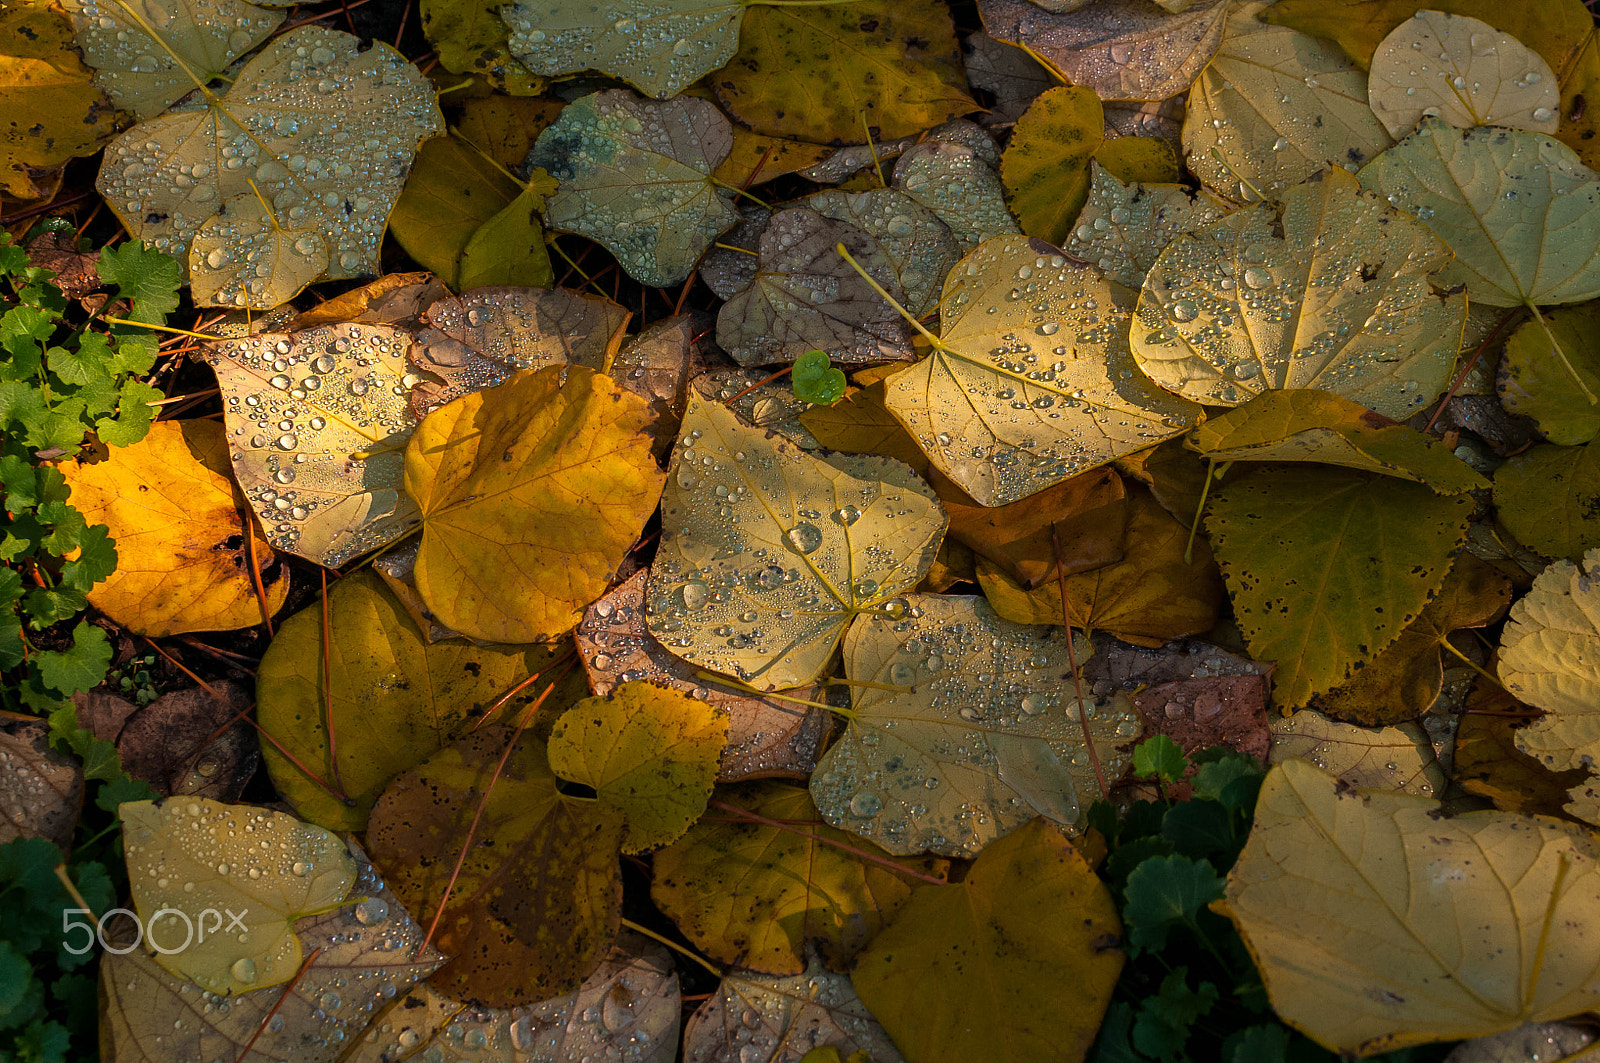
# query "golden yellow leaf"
(1378, 923)
(530, 494)
(1045, 167)
(174, 513)
(53, 111)
(450, 192)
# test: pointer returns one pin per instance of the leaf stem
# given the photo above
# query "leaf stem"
(1072, 660)
(877, 163)
(162, 328)
(736, 190)
(930, 337)
(1555, 345)
(674, 946)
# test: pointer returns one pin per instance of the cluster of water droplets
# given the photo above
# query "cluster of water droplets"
(302, 410)
(766, 736)
(915, 240)
(770, 406)
(626, 1012)
(985, 733)
(1124, 227)
(635, 177)
(957, 184)
(759, 1019)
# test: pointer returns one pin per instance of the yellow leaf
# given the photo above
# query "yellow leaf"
(1548, 497)
(53, 112)
(327, 487)
(1026, 945)
(1549, 656)
(648, 751)
(760, 896)
(1045, 167)
(859, 423)
(530, 494)
(173, 510)
(810, 72)
(505, 127)
(390, 697)
(1398, 758)
(1342, 301)
(538, 899)
(781, 547)
(1378, 923)
(471, 38)
(1533, 382)
(1146, 160)
(449, 194)
(194, 862)
(508, 248)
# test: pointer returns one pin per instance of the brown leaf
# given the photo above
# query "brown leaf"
(859, 423)
(393, 299)
(174, 743)
(767, 736)
(77, 272)
(1209, 711)
(103, 714)
(1489, 764)
(41, 790)
(658, 364)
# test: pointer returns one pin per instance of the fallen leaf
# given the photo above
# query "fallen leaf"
(960, 186)
(506, 127)
(1030, 931)
(1327, 566)
(780, 547)
(1020, 393)
(41, 792)
(317, 421)
(365, 954)
(476, 340)
(826, 74)
(393, 299)
(781, 1019)
(984, 709)
(1342, 301)
(193, 858)
(172, 508)
(193, 742)
(1398, 758)
(1007, 73)
(164, 181)
(54, 111)
(1274, 108)
(650, 752)
(1549, 498)
(860, 423)
(1533, 382)
(1175, 475)
(1148, 596)
(509, 248)
(390, 698)
(631, 999)
(470, 38)
(450, 193)
(920, 247)
(1046, 164)
(1377, 923)
(1474, 76)
(1207, 711)
(767, 736)
(1489, 764)
(762, 897)
(537, 901)
(1121, 49)
(758, 159)
(1134, 160)
(548, 477)
(635, 177)
(1548, 659)
(1319, 426)
(1086, 515)
(1566, 1039)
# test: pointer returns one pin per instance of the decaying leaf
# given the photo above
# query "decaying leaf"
(1046, 165)
(1548, 497)
(1377, 923)
(41, 791)
(1341, 302)
(781, 548)
(1029, 932)
(648, 751)
(1462, 70)
(54, 112)
(1533, 382)
(920, 247)
(323, 132)
(1123, 227)
(548, 477)
(635, 177)
(471, 38)
(1275, 107)
(391, 698)
(980, 730)
(193, 742)
(779, 1020)
(1204, 711)
(959, 184)
(1030, 381)
(1006, 72)
(173, 510)
(537, 902)
(191, 855)
(1397, 758)
(1489, 764)
(1327, 566)
(1549, 655)
(631, 999)
(760, 896)
(767, 736)
(1122, 49)
(317, 422)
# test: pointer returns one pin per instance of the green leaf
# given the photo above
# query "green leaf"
(96, 560)
(1199, 828)
(1535, 383)
(1257, 1044)
(134, 417)
(1159, 757)
(815, 380)
(1162, 1027)
(147, 278)
(1045, 168)
(44, 1041)
(87, 364)
(21, 997)
(1231, 781)
(82, 667)
(1166, 892)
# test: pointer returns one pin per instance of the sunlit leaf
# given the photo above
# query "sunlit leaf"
(190, 854)
(530, 494)
(173, 511)
(781, 548)
(1123, 227)
(509, 248)
(1398, 758)
(957, 183)
(1046, 164)
(1378, 923)
(323, 132)
(316, 421)
(1549, 653)
(980, 729)
(635, 177)
(1342, 301)
(58, 111)
(1030, 382)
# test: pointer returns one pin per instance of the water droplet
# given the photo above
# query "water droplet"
(865, 804)
(243, 970)
(804, 538)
